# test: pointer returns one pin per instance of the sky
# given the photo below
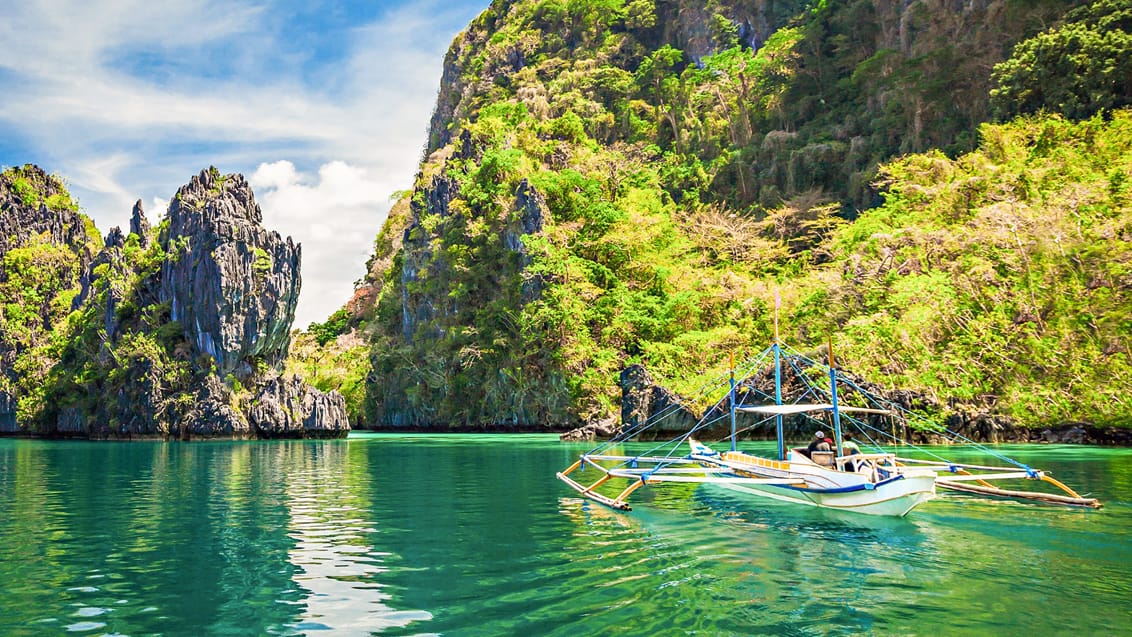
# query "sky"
(323, 106)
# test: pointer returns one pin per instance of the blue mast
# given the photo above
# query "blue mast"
(778, 378)
(778, 394)
(733, 405)
(833, 393)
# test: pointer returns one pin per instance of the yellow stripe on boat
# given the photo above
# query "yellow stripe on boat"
(738, 456)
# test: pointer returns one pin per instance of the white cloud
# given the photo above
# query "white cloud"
(158, 208)
(337, 214)
(121, 98)
(279, 174)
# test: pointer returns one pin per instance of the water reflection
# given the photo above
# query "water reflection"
(337, 566)
(474, 536)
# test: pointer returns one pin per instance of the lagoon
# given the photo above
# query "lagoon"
(473, 535)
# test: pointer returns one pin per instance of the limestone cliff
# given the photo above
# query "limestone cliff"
(36, 208)
(45, 245)
(609, 184)
(229, 281)
(7, 413)
(178, 331)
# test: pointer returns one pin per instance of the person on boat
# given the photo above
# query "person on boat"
(819, 443)
(849, 448)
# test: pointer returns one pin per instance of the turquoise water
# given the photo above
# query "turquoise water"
(472, 535)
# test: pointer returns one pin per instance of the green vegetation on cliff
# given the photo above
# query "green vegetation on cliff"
(1078, 68)
(598, 196)
(1002, 276)
(329, 365)
(121, 346)
(41, 260)
(34, 188)
(617, 182)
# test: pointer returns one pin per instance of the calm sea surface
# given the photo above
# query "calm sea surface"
(473, 535)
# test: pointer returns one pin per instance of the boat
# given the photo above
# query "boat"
(891, 478)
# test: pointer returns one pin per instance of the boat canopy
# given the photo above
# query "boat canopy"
(801, 408)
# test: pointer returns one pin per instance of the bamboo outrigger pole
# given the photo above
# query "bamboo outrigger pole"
(1072, 500)
(614, 503)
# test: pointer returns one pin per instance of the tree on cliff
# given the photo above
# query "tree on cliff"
(1078, 68)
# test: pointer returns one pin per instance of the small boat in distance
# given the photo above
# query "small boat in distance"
(877, 482)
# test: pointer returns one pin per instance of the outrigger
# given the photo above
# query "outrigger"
(878, 482)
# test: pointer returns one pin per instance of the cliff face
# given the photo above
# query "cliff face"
(45, 245)
(610, 184)
(37, 208)
(230, 282)
(567, 145)
(177, 331)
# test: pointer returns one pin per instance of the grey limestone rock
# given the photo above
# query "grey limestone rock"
(25, 220)
(286, 407)
(418, 256)
(20, 222)
(529, 216)
(213, 414)
(592, 431)
(232, 284)
(7, 413)
(220, 305)
(139, 225)
(642, 399)
(115, 238)
(71, 421)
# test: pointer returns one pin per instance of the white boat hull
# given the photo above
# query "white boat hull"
(877, 487)
(895, 498)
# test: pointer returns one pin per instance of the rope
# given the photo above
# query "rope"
(907, 415)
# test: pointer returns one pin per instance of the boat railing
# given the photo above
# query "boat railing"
(881, 458)
(868, 464)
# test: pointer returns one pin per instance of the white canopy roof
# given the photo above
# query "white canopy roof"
(799, 408)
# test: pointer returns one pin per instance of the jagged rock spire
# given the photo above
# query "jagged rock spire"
(233, 285)
(139, 225)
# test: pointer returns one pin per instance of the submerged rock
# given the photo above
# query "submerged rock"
(592, 431)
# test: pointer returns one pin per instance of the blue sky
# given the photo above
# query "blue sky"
(324, 106)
